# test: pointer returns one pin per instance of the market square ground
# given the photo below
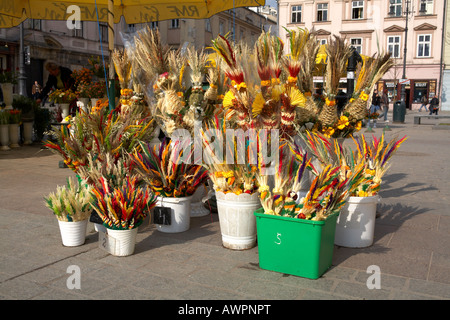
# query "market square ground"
(411, 247)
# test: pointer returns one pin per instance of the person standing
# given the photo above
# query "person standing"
(36, 90)
(59, 78)
(384, 104)
(424, 101)
(434, 105)
(376, 101)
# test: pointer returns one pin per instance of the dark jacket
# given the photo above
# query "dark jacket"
(376, 100)
(69, 82)
(434, 102)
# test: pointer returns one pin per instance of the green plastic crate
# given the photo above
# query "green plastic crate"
(295, 246)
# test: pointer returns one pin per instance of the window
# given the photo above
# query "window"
(357, 44)
(296, 16)
(103, 32)
(322, 12)
(154, 24)
(78, 32)
(357, 9)
(428, 6)
(322, 41)
(208, 25)
(420, 90)
(221, 27)
(394, 46)
(131, 28)
(175, 24)
(241, 34)
(35, 24)
(395, 8)
(423, 45)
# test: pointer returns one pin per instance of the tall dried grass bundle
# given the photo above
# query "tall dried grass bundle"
(151, 54)
(122, 65)
(308, 63)
(338, 53)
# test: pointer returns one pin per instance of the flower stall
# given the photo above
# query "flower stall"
(248, 123)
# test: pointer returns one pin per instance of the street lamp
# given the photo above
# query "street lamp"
(407, 12)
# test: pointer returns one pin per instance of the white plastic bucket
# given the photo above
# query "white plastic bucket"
(180, 214)
(124, 241)
(237, 220)
(99, 227)
(73, 234)
(197, 207)
(356, 223)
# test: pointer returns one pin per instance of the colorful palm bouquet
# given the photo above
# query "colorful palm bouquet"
(371, 160)
(327, 194)
(376, 156)
(71, 202)
(167, 169)
(124, 206)
(62, 96)
(233, 168)
(281, 94)
(98, 134)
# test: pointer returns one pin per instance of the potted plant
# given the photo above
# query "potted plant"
(296, 236)
(7, 81)
(96, 92)
(356, 223)
(83, 80)
(14, 126)
(26, 106)
(71, 206)
(123, 208)
(173, 181)
(4, 129)
(63, 98)
(235, 186)
(42, 121)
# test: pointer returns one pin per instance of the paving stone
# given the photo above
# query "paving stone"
(360, 291)
(410, 243)
(430, 288)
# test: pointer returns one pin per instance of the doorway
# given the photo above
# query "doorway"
(408, 98)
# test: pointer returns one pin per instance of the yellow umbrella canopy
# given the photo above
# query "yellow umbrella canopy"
(134, 11)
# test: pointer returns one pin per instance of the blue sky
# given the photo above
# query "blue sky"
(272, 3)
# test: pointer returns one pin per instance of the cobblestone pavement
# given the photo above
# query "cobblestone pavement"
(411, 246)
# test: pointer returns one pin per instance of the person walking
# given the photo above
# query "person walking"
(434, 105)
(384, 104)
(424, 101)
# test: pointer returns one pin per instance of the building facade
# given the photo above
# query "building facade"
(445, 93)
(373, 26)
(50, 40)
